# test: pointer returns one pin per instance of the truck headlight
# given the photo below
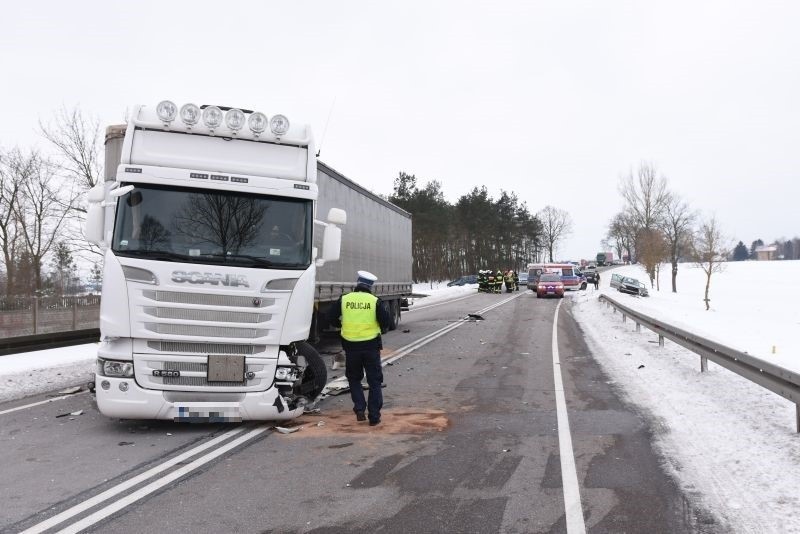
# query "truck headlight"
(279, 125)
(257, 122)
(166, 111)
(114, 368)
(212, 117)
(234, 119)
(282, 372)
(190, 114)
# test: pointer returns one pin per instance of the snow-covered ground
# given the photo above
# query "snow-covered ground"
(47, 370)
(728, 442)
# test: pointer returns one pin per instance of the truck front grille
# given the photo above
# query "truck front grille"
(204, 299)
(185, 347)
(206, 331)
(207, 315)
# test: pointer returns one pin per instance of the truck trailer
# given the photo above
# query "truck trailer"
(217, 271)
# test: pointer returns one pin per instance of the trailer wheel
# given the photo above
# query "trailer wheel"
(394, 309)
(315, 375)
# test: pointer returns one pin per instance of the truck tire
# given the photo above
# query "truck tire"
(315, 375)
(394, 308)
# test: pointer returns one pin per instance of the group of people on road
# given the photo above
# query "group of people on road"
(490, 281)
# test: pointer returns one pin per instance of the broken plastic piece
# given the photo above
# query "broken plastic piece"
(285, 430)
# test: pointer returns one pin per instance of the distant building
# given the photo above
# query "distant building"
(766, 253)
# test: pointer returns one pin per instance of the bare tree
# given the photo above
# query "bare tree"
(41, 210)
(645, 197)
(622, 231)
(556, 225)
(676, 226)
(76, 138)
(77, 141)
(711, 250)
(11, 168)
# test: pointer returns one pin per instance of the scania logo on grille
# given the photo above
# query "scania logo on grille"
(256, 301)
(194, 277)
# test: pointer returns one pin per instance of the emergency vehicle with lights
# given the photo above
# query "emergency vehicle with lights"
(216, 270)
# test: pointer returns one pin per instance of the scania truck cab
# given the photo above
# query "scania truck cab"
(207, 217)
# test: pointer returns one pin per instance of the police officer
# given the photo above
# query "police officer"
(363, 318)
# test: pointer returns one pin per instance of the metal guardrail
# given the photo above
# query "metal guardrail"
(778, 380)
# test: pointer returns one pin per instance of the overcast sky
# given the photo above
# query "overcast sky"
(551, 100)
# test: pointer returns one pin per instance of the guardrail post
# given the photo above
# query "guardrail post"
(660, 340)
(797, 417)
(624, 318)
(703, 364)
(638, 327)
(74, 313)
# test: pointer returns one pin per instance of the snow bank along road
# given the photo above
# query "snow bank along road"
(504, 424)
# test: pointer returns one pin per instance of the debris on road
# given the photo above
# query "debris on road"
(475, 317)
(406, 331)
(287, 430)
(641, 366)
(67, 391)
(79, 412)
(123, 443)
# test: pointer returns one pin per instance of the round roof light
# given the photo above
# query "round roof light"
(279, 125)
(212, 117)
(190, 114)
(257, 122)
(234, 119)
(166, 111)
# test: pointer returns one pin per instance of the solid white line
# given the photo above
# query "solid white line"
(440, 303)
(116, 490)
(421, 342)
(31, 405)
(569, 475)
(158, 484)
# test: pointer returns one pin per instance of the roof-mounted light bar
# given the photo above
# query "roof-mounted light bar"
(212, 117)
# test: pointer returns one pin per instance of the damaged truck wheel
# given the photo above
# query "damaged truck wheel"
(314, 376)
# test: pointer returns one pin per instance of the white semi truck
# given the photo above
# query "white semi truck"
(217, 273)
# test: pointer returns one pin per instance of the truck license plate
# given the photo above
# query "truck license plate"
(223, 368)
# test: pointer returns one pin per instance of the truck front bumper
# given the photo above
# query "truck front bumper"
(124, 399)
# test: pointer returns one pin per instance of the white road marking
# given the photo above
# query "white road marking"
(569, 475)
(31, 405)
(124, 486)
(440, 303)
(158, 484)
(421, 342)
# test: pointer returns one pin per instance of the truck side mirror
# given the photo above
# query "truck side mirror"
(331, 243)
(95, 215)
(337, 216)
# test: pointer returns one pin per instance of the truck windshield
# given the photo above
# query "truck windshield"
(213, 227)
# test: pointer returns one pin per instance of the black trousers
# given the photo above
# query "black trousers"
(359, 362)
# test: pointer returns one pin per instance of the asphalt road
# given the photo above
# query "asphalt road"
(472, 440)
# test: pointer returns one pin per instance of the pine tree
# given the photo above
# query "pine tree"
(740, 253)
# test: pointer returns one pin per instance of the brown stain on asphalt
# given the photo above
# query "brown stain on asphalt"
(393, 421)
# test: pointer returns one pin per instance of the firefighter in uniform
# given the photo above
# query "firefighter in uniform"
(509, 278)
(363, 318)
(498, 281)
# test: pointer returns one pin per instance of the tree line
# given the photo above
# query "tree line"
(657, 226)
(476, 232)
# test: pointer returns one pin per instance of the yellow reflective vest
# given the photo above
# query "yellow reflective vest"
(360, 316)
